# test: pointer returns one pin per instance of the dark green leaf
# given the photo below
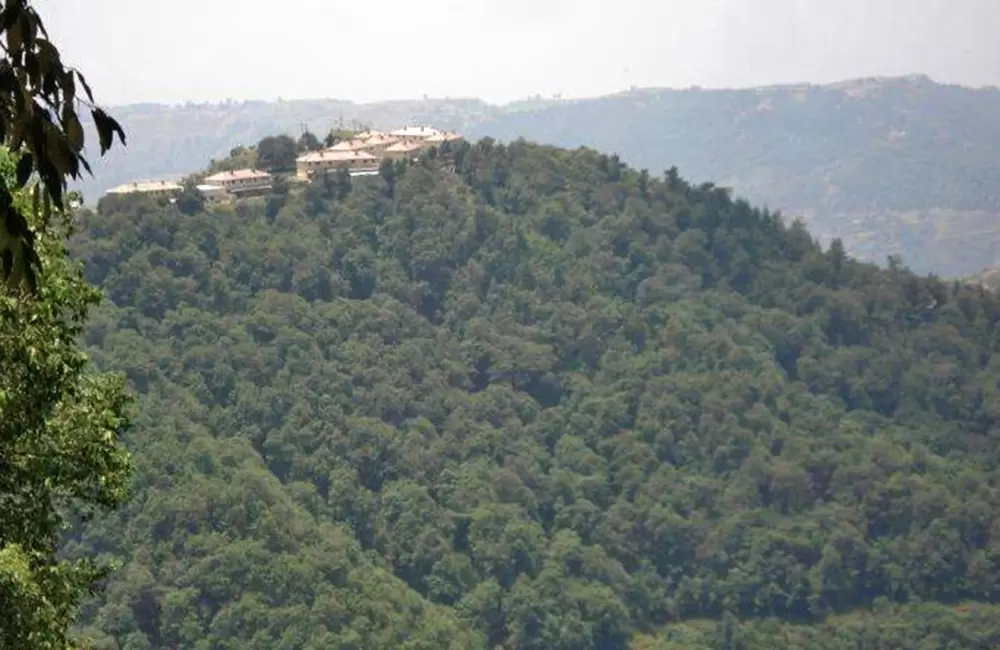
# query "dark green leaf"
(8, 81)
(69, 89)
(39, 25)
(24, 167)
(107, 128)
(53, 181)
(10, 15)
(15, 223)
(86, 87)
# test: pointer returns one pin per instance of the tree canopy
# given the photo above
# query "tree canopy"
(60, 454)
(523, 397)
(277, 153)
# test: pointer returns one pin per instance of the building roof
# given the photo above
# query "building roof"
(445, 137)
(329, 155)
(348, 145)
(146, 186)
(380, 139)
(403, 147)
(238, 175)
(365, 135)
(414, 132)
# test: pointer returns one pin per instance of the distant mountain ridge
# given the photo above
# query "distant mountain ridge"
(891, 165)
(894, 165)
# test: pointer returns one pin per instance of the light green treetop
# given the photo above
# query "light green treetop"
(60, 451)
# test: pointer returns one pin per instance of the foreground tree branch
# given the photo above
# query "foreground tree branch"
(41, 101)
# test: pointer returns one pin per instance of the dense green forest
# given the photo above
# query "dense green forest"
(522, 397)
(889, 165)
(897, 165)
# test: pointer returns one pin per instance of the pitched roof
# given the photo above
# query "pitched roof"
(445, 137)
(329, 155)
(415, 132)
(145, 186)
(380, 139)
(347, 145)
(238, 175)
(403, 147)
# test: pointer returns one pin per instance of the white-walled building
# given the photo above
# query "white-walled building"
(154, 188)
(214, 193)
(404, 149)
(411, 134)
(240, 180)
(328, 159)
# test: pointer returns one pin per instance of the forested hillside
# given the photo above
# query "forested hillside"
(530, 398)
(892, 166)
(173, 141)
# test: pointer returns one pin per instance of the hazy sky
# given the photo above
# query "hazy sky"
(177, 50)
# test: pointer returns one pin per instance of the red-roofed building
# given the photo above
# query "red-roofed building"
(403, 150)
(321, 161)
(241, 180)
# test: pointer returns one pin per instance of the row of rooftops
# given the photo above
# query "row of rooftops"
(431, 134)
(237, 176)
(369, 147)
(329, 155)
(146, 186)
(359, 150)
(213, 183)
(399, 138)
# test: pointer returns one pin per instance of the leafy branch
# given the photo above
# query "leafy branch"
(39, 121)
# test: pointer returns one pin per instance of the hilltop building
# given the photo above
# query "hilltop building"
(403, 149)
(444, 136)
(348, 145)
(322, 161)
(414, 134)
(377, 144)
(360, 156)
(363, 153)
(214, 193)
(241, 181)
(153, 188)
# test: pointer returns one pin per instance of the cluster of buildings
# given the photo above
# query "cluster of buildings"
(361, 155)
(366, 151)
(216, 188)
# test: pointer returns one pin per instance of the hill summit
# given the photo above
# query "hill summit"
(890, 165)
(522, 397)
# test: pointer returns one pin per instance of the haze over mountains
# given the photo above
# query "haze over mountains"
(891, 165)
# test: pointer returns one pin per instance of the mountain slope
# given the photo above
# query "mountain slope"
(545, 401)
(892, 166)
